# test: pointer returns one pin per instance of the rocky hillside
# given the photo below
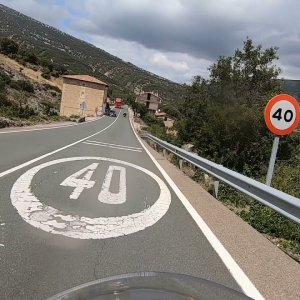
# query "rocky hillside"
(24, 101)
(81, 57)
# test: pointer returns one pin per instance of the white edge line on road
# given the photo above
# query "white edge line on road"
(48, 128)
(114, 147)
(122, 146)
(235, 270)
(53, 152)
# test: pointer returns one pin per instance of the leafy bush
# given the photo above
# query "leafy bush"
(52, 87)
(15, 85)
(31, 58)
(267, 221)
(4, 78)
(9, 46)
(157, 130)
(22, 85)
(46, 75)
(55, 73)
(4, 102)
(49, 109)
(141, 109)
(25, 112)
(26, 86)
(150, 119)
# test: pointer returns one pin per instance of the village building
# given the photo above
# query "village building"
(82, 95)
(150, 100)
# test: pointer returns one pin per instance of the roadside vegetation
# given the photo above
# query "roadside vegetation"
(223, 118)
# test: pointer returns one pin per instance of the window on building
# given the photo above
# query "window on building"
(148, 96)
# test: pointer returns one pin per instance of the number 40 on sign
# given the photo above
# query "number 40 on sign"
(282, 115)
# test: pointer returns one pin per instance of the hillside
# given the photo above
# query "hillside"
(292, 87)
(28, 72)
(80, 57)
(24, 99)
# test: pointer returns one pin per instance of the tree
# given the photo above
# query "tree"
(250, 75)
(9, 46)
(31, 58)
(141, 109)
(130, 99)
(223, 116)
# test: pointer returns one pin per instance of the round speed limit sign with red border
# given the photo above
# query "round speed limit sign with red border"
(282, 114)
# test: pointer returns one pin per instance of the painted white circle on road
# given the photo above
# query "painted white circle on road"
(283, 114)
(52, 220)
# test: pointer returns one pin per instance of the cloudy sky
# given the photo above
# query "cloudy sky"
(176, 39)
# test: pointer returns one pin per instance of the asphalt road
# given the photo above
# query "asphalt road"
(96, 208)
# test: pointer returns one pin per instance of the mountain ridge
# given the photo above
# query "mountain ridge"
(80, 56)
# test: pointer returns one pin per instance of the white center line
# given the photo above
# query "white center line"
(53, 152)
(114, 147)
(122, 146)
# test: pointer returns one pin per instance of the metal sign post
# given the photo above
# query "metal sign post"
(272, 160)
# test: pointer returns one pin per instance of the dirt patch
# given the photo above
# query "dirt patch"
(31, 74)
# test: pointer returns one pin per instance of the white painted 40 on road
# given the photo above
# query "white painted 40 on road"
(52, 220)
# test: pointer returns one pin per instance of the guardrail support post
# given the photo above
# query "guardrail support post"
(180, 164)
(164, 152)
(216, 188)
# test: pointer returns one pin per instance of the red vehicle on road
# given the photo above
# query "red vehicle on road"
(118, 103)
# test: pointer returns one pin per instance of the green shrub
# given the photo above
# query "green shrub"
(9, 46)
(267, 221)
(15, 85)
(46, 75)
(4, 102)
(52, 87)
(150, 119)
(22, 85)
(141, 109)
(55, 74)
(31, 58)
(4, 78)
(26, 86)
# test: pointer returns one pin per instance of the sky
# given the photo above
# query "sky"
(176, 39)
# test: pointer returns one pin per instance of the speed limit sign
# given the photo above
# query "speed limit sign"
(282, 114)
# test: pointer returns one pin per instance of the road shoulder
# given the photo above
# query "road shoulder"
(274, 273)
(45, 126)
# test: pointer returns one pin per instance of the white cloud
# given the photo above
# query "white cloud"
(41, 10)
(176, 38)
(161, 60)
(174, 66)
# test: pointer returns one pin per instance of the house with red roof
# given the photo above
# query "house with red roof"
(82, 95)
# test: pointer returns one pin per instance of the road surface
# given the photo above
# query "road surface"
(86, 202)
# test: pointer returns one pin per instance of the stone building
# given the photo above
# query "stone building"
(82, 95)
(150, 100)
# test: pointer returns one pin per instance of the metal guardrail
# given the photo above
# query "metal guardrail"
(281, 202)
